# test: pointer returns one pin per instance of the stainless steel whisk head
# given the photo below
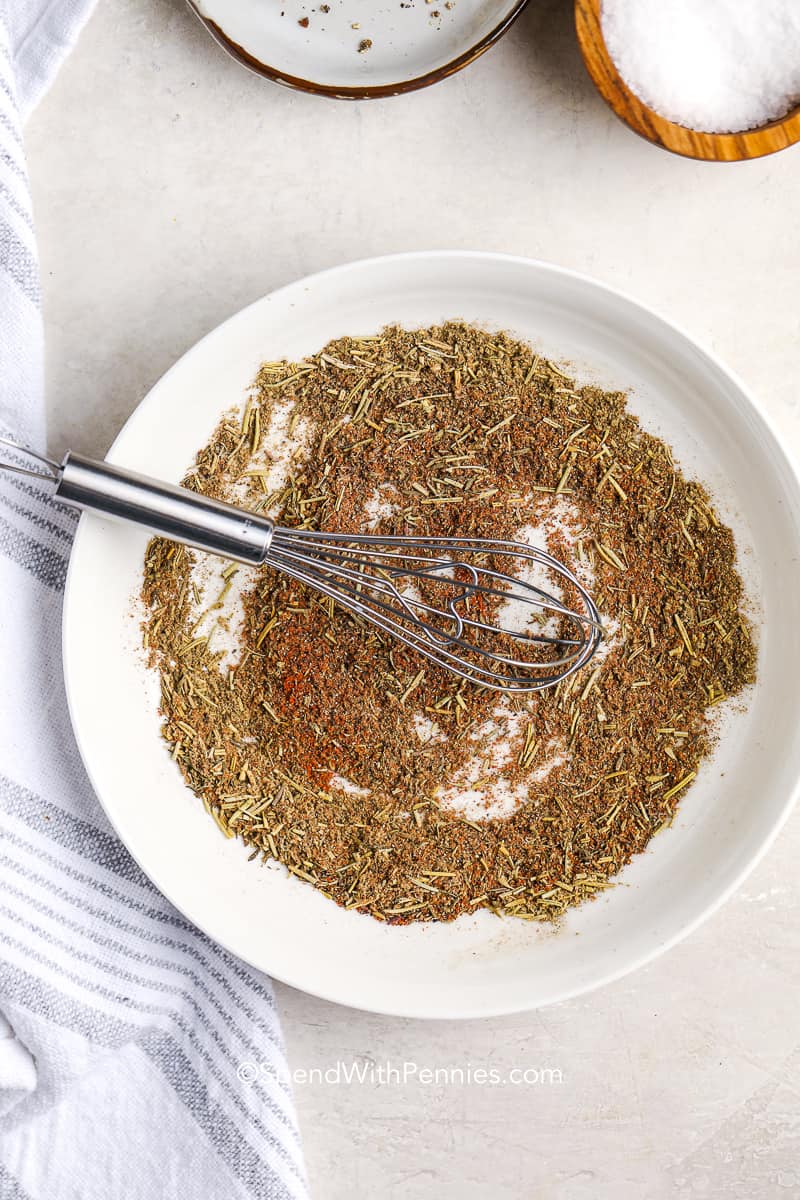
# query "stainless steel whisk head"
(446, 598)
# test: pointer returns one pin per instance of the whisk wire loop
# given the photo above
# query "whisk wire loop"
(378, 578)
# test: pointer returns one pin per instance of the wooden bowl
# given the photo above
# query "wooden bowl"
(691, 143)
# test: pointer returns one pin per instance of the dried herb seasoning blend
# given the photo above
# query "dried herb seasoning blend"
(375, 776)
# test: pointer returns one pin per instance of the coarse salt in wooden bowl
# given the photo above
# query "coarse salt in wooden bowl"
(691, 143)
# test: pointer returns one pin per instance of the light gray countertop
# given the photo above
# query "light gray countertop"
(170, 189)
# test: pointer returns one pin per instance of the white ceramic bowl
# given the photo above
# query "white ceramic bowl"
(479, 964)
(358, 49)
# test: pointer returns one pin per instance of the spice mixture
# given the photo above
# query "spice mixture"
(391, 786)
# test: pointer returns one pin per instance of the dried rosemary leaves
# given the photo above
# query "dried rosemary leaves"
(391, 786)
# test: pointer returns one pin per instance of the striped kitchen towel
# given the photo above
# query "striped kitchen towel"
(121, 1026)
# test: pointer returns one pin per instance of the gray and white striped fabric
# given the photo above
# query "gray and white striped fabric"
(121, 1025)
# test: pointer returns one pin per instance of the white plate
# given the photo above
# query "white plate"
(412, 42)
(478, 965)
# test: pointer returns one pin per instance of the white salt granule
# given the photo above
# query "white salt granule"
(719, 66)
(340, 784)
(278, 452)
(477, 791)
(380, 504)
(217, 605)
(479, 797)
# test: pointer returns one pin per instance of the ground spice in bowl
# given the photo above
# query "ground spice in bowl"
(375, 776)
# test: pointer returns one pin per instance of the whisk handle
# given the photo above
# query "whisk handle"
(170, 511)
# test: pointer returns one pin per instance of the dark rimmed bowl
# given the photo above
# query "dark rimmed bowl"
(357, 50)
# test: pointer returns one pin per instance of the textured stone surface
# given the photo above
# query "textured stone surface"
(171, 188)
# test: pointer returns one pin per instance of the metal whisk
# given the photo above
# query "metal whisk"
(444, 597)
